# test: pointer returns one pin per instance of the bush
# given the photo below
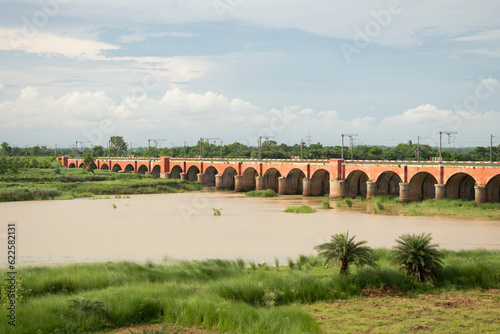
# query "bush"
(300, 209)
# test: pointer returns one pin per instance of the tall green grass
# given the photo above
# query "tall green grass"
(219, 295)
(261, 193)
(300, 209)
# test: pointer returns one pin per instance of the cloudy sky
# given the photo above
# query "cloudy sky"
(388, 71)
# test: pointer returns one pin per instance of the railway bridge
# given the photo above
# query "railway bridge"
(411, 181)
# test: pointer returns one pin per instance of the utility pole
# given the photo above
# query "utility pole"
(221, 149)
(260, 145)
(309, 138)
(418, 148)
(301, 148)
(491, 148)
(184, 149)
(350, 135)
(56, 150)
(449, 133)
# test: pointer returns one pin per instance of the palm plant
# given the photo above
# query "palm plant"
(344, 249)
(417, 256)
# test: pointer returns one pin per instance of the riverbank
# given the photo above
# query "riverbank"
(63, 183)
(388, 205)
(245, 297)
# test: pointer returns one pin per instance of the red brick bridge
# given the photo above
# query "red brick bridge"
(410, 181)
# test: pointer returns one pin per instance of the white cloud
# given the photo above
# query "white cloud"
(50, 44)
(483, 36)
(490, 52)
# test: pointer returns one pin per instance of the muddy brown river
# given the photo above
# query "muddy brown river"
(183, 226)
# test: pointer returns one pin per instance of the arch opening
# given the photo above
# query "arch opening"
(227, 181)
(294, 182)
(192, 174)
(493, 190)
(356, 184)
(320, 183)
(175, 172)
(104, 167)
(461, 186)
(270, 179)
(422, 186)
(116, 168)
(388, 184)
(209, 176)
(156, 171)
(248, 180)
(129, 168)
(142, 169)
(72, 165)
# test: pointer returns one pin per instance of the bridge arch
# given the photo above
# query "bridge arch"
(116, 168)
(461, 186)
(388, 183)
(228, 178)
(129, 168)
(294, 183)
(72, 165)
(209, 177)
(82, 165)
(175, 172)
(248, 179)
(270, 179)
(320, 183)
(422, 186)
(156, 171)
(356, 184)
(192, 174)
(493, 189)
(104, 167)
(142, 169)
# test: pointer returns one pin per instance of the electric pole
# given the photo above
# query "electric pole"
(201, 144)
(491, 148)
(260, 145)
(350, 135)
(449, 133)
(418, 148)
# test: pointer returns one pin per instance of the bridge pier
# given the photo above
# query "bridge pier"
(200, 177)
(183, 176)
(165, 176)
(259, 184)
(307, 187)
(480, 194)
(404, 192)
(371, 189)
(238, 183)
(282, 186)
(337, 188)
(440, 190)
(218, 182)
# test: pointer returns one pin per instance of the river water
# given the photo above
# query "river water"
(183, 226)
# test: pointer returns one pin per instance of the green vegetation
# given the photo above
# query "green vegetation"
(459, 208)
(300, 209)
(224, 296)
(417, 256)
(348, 201)
(216, 211)
(262, 193)
(41, 184)
(325, 205)
(345, 250)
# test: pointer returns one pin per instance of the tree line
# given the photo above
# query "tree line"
(270, 150)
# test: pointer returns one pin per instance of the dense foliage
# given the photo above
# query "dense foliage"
(270, 150)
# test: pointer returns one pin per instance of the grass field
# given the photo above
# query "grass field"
(238, 297)
(41, 184)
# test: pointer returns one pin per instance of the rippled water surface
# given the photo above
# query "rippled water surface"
(183, 226)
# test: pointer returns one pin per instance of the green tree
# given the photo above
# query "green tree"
(118, 145)
(344, 249)
(89, 164)
(98, 151)
(6, 149)
(416, 255)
